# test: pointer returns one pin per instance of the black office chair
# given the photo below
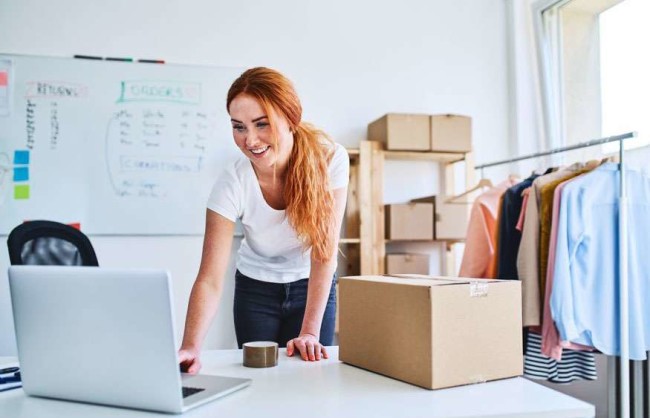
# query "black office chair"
(50, 243)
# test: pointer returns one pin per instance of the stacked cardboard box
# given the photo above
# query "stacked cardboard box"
(407, 264)
(409, 221)
(450, 217)
(427, 218)
(451, 133)
(413, 132)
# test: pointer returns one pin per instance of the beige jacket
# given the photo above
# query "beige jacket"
(528, 256)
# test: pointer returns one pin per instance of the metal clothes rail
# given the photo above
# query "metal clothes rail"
(624, 378)
(591, 143)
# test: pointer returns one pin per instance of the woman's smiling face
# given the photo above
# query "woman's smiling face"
(251, 128)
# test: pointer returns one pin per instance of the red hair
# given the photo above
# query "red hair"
(309, 200)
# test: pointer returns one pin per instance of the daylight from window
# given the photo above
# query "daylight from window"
(625, 71)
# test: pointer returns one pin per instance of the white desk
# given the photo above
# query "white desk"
(329, 388)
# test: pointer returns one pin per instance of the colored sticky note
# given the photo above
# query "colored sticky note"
(21, 157)
(4, 79)
(21, 173)
(21, 191)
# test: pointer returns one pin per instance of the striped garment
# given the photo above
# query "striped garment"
(574, 365)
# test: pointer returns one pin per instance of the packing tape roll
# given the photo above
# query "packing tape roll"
(260, 354)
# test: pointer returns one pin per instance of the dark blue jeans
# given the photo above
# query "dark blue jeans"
(266, 311)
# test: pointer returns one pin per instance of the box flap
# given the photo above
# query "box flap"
(425, 280)
(476, 287)
(408, 279)
(456, 280)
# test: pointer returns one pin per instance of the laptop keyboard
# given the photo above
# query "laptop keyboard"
(187, 391)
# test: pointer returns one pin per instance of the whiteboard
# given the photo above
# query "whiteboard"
(118, 147)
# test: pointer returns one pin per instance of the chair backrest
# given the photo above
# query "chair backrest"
(50, 243)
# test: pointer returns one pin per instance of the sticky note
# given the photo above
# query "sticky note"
(21, 191)
(21, 157)
(21, 173)
(4, 78)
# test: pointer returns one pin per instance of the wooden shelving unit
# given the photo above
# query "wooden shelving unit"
(444, 157)
(365, 242)
(350, 240)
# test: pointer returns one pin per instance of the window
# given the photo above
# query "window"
(595, 67)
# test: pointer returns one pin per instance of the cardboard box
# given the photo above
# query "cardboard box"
(401, 132)
(451, 133)
(450, 217)
(407, 264)
(432, 332)
(409, 221)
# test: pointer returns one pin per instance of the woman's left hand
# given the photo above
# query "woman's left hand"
(308, 347)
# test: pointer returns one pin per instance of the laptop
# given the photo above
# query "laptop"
(104, 336)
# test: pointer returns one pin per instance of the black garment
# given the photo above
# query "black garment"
(509, 236)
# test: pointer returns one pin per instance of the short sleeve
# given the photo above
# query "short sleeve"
(226, 195)
(339, 168)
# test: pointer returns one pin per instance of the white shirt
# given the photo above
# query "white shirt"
(270, 250)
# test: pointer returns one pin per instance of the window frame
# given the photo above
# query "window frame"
(550, 70)
(547, 26)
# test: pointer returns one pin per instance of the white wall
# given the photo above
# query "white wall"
(351, 61)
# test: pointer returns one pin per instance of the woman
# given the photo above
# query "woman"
(290, 193)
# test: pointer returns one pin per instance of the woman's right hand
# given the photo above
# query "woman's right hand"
(189, 360)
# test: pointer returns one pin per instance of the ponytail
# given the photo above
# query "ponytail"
(310, 203)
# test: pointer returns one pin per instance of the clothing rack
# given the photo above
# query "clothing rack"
(624, 379)
(586, 144)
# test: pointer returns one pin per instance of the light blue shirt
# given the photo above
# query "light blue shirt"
(584, 299)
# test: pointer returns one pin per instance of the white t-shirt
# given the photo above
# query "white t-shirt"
(270, 250)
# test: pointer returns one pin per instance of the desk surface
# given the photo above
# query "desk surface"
(330, 388)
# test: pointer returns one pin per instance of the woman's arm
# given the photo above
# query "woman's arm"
(320, 282)
(207, 288)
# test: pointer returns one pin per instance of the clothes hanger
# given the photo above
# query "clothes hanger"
(481, 184)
